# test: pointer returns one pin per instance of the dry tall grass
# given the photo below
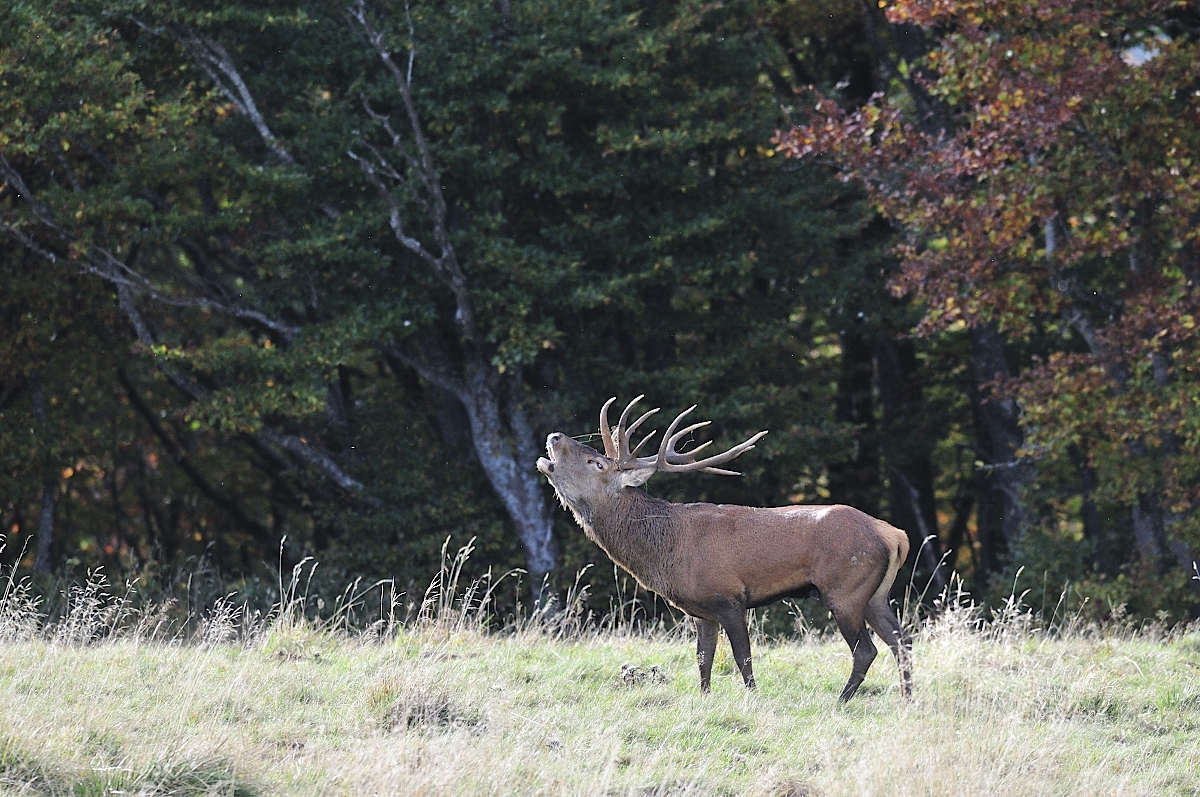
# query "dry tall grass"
(434, 700)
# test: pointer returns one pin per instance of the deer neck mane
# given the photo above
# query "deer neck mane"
(635, 530)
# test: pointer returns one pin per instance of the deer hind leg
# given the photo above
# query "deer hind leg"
(854, 630)
(733, 620)
(706, 650)
(883, 622)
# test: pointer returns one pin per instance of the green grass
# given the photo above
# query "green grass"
(105, 696)
(434, 709)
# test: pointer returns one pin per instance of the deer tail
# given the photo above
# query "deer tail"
(897, 545)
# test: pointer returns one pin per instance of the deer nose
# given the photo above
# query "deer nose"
(554, 438)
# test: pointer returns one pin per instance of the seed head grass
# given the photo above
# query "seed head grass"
(445, 703)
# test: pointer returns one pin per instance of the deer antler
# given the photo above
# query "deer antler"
(616, 445)
(610, 448)
(671, 461)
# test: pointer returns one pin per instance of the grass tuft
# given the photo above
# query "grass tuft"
(23, 773)
(400, 703)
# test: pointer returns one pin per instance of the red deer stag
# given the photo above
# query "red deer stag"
(715, 561)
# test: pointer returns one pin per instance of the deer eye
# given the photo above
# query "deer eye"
(599, 465)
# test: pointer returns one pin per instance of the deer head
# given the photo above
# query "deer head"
(581, 474)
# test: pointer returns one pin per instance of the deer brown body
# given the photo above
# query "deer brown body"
(715, 561)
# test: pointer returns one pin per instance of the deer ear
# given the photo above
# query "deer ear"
(637, 477)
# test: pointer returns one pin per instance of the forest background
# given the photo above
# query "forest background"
(330, 272)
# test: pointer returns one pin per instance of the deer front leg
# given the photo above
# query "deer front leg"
(706, 650)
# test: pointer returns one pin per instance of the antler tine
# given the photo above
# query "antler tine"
(677, 458)
(682, 456)
(624, 431)
(718, 459)
(667, 452)
(616, 445)
(675, 425)
(667, 440)
(610, 449)
(633, 427)
(720, 471)
(628, 434)
(675, 438)
(628, 408)
(666, 449)
(638, 447)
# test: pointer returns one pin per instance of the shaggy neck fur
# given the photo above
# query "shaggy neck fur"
(634, 529)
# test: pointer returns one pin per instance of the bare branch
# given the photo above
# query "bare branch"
(384, 166)
(412, 42)
(317, 459)
(390, 171)
(290, 443)
(13, 176)
(141, 284)
(216, 62)
(104, 264)
(213, 57)
(96, 155)
(71, 178)
(1083, 325)
(403, 82)
(27, 242)
(397, 142)
(146, 338)
(445, 264)
(179, 457)
(433, 366)
(394, 219)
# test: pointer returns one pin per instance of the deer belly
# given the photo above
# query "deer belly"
(754, 601)
(769, 576)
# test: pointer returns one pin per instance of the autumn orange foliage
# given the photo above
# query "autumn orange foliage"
(1055, 191)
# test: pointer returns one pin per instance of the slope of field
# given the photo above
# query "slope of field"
(434, 710)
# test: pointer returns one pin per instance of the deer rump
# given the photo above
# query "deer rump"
(715, 561)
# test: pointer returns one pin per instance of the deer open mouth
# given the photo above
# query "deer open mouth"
(546, 464)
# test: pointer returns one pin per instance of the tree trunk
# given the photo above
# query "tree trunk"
(997, 425)
(1148, 530)
(1149, 520)
(45, 532)
(503, 440)
(912, 503)
(1172, 446)
(500, 432)
(1146, 515)
(452, 421)
(957, 536)
(855, 481)
(506, 449)
(1089, 515)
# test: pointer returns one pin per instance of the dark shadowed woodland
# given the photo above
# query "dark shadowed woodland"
(330, 272)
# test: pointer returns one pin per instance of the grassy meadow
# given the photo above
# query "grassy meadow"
(437, 706)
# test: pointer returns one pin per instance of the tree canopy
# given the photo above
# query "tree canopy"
(331, 272)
